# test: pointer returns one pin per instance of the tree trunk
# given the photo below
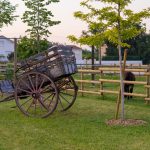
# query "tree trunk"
(120, 62)
(100, 56)
(121, 82)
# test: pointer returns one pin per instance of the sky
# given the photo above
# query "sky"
(62, 11)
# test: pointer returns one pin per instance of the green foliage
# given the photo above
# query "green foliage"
(88, 54)
(6, 13)
(95, 32)
(139, 48)
(121, 22)
(117, 57)
(27, 47)
(38, 17)
(10, 57)
(146, 57)
(9, 71)
(110, 22)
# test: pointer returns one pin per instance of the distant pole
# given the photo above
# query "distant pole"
(100, 56)
(15, 58)
(93, 61)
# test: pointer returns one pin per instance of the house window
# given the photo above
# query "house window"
(8, 52)
(1, 44)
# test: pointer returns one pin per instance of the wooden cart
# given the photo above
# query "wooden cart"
(43, 81)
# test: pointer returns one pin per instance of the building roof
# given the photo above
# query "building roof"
(3, 37)
(74, 47)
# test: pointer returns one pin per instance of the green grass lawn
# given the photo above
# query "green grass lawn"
(82, 127)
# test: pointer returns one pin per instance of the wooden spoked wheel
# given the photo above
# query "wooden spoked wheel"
(67, 89)
(36, 95)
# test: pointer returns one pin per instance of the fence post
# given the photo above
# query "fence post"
(101, 83)
(148, 83)
(115, 71)
(140, 68)
(81, 85)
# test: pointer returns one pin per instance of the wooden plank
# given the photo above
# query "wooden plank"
(109, 69)
(118, 81)
(135, 94)
(147, 86)
(113, 92)
(2, 69)
(136, 70)
(117, 69)
(130, 94)
(147, 99)
(88, 71)
(109, 81)
(89, 92)
(87, 81)
(147, 74)
(109, 91)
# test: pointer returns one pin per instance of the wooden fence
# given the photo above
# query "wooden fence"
(6, 70)
(101, 71)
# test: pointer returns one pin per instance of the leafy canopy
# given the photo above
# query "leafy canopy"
(121, 21)
(94, 35)
(105, 21)
(38, 17)
(28, 46)
(6, 13)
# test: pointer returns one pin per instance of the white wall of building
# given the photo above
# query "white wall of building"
(6, 47)
(78, 55)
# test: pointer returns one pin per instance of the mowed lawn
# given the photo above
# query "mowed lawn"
(82, 127)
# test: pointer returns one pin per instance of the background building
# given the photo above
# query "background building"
(78, 53)
(6, 47)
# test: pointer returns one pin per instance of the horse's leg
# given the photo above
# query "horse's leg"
(131, 90)
(128, 92)
(125, 89)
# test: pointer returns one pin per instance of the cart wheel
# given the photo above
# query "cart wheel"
(36, 95)
(67, 93)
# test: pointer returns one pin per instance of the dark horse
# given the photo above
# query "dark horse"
(128, 87)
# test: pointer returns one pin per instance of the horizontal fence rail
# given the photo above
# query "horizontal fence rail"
(102, 70)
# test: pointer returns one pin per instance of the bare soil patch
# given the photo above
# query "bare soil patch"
(126, 122)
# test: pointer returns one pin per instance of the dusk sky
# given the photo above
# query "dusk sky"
(63, 11)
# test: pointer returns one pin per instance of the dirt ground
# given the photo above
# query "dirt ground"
(126, 122)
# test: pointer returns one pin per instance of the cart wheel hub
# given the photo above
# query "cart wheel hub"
(36, 95)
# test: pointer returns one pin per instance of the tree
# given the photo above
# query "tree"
(94, 36)
(138, 45)
(121, 26)
(114, 22)
(28, 46)
(6, 13)
(38, 18)
(138, 50)
(146, 58)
